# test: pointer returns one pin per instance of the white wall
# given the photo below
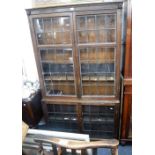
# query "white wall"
(28, 61)
(15, 44)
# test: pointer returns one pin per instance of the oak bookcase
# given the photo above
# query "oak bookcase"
(77, 50)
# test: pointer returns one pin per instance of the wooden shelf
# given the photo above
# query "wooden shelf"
(57, 62)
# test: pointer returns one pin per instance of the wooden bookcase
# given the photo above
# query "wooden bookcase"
(126, 117)
(77, 51)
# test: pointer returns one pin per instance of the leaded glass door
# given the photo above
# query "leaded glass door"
(55, 49)
(96, 39)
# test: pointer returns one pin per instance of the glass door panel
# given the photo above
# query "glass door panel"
(56, 61)
(92, 37)
(106, 36)
(82, 37)
(97, 62)
(100, 28)
(97, 70)
(58, 71)
(81, 22)
(106, 21)
(53, 30)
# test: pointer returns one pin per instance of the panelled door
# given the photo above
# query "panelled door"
(54, 35)
(96, 44)
(78, 53)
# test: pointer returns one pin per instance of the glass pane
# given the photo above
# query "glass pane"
(92, 54)
(106, 76)
(90, 89)
(101, 36)
(47, 24)
(40, 37)
(61, 68)
(38, 25)
(105, 54)
(68, 55)
(106, 21)
(81, 23)
(45, 67)
(85, 77)
(83, 54)
(48, 38)
(61, 23)
(110, 36)
(58, 75)
(51, 55)
(90, 22)
(109, 88)
(97, 70)
(67, 89)
(82, 36)
(58, 38)
(44, 54)
(61, 88)
(86, 90)
(66, 37)
(66, 22)
(110, 21)
(59, 55)
(91, 36)
(57, 23)
(93, 89)
(106, 67)
(47, 76)
(106, 35)
(100, 19)
(93, 77)
(84, 68)
(54, 30)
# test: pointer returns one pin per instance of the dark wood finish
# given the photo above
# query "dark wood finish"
(79, 116)
(73, 152)
(63, 150)
(97, 90)
(95, 151)
(128, 52)
(78, 8)
(126, 120)
(117, 110)
(32, 110)
(83, 152)
(126, 113)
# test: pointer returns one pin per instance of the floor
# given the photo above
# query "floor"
(122, 150)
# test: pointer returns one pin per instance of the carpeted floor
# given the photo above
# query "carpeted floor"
(122, 150)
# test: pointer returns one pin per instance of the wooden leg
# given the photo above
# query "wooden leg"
(95, 151)
(114, 151)
(83, 152)
(123, 142)
(73, 152)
